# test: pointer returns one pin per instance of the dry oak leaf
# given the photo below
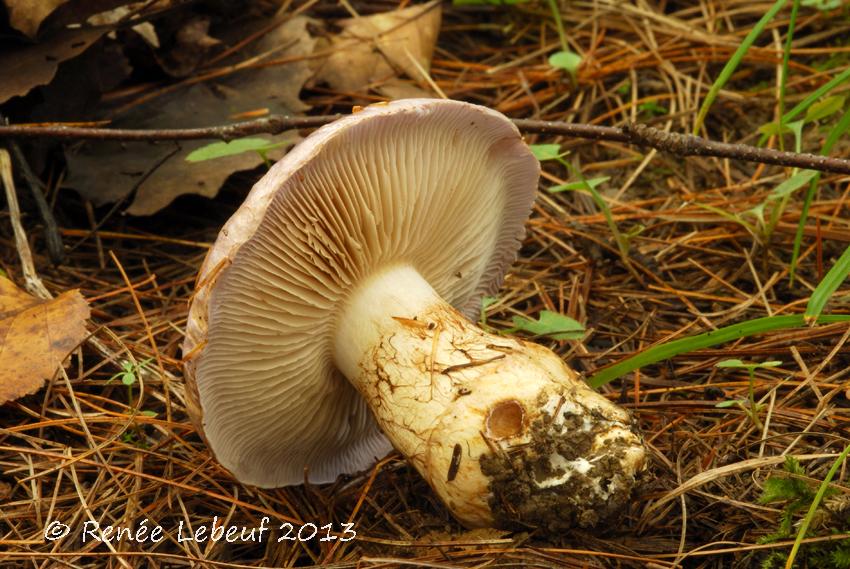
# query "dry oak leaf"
(36, 336)
(378, 47)
(27, 15)
(107, 171)
(30, 66)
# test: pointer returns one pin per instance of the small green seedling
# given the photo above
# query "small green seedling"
(129, 375)
(753, 409)
(223, 149)
(130, 370)
(579, 185)
(486, 302)
(652, 109)
(545, 152)
(567, 60)
(550, 324)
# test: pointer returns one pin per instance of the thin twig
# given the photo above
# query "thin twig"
(52, 238)
(273, 124)
(32, 281)
(637, 134)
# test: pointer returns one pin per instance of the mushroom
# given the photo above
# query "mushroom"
(330, 324)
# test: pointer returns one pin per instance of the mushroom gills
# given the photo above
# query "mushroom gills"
(503, 431)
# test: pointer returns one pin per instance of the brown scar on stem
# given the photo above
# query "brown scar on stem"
(461, 392)
(472, 363)
(438, 329)
(454, 466)
(498, 348)
(413, 323)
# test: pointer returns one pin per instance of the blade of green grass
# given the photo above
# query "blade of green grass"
(804, 105)
(834, 134)
(807, 521)
(556, 14)
(830, 283)
(786, 56)
(668, 350)
(734, 61)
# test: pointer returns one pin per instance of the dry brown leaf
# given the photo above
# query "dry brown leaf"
(191, 47)
(26, 16)
(378, 47)
(36, 65)
(36, 336)
(105, 172)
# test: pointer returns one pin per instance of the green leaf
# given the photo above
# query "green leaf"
(729, 403)
(743, 365)
(148, 413)
(758, 211)
(551, 324)
(222, 149)
(823, 5)
(128, 378)
(772, 128)
(566, 60)
(579, 185)
(652, 108)
(823, 109)
(817, 94)
(668, 350)
(545, 152)
(830, 283)
(792, 184)
(486, 302)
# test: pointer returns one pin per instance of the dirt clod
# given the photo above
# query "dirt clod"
(521, 497)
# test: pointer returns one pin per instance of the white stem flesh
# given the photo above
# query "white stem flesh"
(504, 432)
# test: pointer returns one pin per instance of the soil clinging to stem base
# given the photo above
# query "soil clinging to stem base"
(593, 487)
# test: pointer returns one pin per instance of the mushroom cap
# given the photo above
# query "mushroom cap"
(443, 186)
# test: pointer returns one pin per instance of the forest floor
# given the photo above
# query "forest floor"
(700, 259)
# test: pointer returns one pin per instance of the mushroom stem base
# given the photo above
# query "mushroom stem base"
(502, 430)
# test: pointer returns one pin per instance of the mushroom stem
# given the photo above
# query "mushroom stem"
(504, 432)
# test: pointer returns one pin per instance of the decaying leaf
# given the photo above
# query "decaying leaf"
(192, 45)
(36, 336)
(35, 65)
(129, 12)
(105, 172)
(26, 16)
(375, 48)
